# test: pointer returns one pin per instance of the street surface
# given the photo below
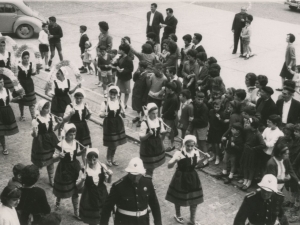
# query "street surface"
(272, 21)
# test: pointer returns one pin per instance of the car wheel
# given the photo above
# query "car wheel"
(293, 7)
(24, 31)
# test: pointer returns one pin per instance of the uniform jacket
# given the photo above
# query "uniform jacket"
(157, 19)
(84, 38)
(126, 195)
(259, 211)
(294, 112)
(266, 110)
(239, 21)
(171, 26)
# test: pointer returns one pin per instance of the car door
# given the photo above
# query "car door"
(8, 15)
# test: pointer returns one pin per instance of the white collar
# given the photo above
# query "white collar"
(197, 45)
(288, 102)
(175, 77)
(83, 33)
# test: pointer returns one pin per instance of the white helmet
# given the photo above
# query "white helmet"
(135, 166)
(269, 183)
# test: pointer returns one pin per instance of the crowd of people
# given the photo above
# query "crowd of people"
(178, 93)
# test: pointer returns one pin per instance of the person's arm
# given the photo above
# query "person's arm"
(242, 214)
(143, 132)
(172, 25)
(171, 61)
(292, 56)
(88, 112)
(128, 67)
(103, 112)
(35, 128)
(74, 89)
(69, 112)
(109, 43)
(59, 33)
(174, 160)
(81, 180)
(109, 204)
(260, 143)
(138, 54)
(290, 170)
(136, 76)
(233, 23)
(154, 205)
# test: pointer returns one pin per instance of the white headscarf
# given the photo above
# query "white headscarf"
(80, 90)
(150, 105)
(189, 138)
(92, 150)
(39, 106)
(64, 70)
(114, 87)
(67, 127)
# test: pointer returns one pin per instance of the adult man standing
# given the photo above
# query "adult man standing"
(237, 26)
(196, 40)
(263, 206)
(169, 25)
(55, 34)
(104, 38)
(287, 107)
(290, 60)
(132, 194)
(154, 19)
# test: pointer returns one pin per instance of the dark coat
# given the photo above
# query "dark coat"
(127, 65)
(294, 112)
(239, 22)
(266, 110)
(126, 195)
(139, 91)
(158, 18)
(171, 26)
(258, 211)
(200, 49)
(84, 38)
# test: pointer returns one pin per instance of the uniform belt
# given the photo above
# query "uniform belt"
(131, 213)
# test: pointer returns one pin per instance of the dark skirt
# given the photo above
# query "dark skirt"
(152, 153)
(248, 161)
(8, 124)
(8, 83)
(88, 212)
(137, 103)
(43, 147)
(214, 136)
(285, 73)
(113, 132)
(65, 178)
(29, 97)
(82, 133)
(59, 104)
(185, 189)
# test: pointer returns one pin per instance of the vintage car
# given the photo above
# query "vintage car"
(17, 17)
(293, 4)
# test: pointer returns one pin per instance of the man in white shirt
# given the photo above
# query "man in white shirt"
(44, 44)
(154, 19)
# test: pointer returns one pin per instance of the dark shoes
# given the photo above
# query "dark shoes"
(139, 124)
(49, 62)
(84, 71)
(279, 89)
(220, 175)
(47, 70)
(81, 68)
(233, 52)
(227, 180)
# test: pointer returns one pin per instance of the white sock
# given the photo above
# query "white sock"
(224, 171)
(231, 175)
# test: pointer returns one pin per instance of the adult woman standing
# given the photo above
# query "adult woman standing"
(77, 113)
(5, 61)
(8, 124)
(152, 151)
(94, 194)
(113, 125)
(61, 97)
(10, 198)
(25, 70)
(44, 138)
(187, 39)
(185, 188)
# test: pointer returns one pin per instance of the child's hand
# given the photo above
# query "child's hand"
(61, 155)
(60, 120)
(151, 132)
(109, 172)
(232, 144)
(226, 121)
(83, 176)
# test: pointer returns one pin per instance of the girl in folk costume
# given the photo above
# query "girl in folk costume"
(25, 70)
(77, 113)
(113, 125)
(8, 124)
(152, 151)
(185, 188)
(94, 190)
(61, 97)
(44, 139)
(5, 61)
(67, 171)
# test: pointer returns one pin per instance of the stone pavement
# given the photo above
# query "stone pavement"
(221, 202)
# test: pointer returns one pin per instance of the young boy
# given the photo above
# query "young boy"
(104, 68)
(139, 92)
(233, 144)
(246, 35)
(186, 111)
(16, 180)
(44, 45)
(114, 60)
(155, 84)
(83, 38)
(172, 77)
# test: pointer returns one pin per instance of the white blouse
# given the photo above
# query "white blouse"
(26, 68)
(8, 216)
(66, 148)
(153, 124)
(79, 107)
(61, 84)
(3, 95)
(43, 119)
(113, 105)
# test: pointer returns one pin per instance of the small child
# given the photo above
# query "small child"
(87, 59)
(245, 35)
(165, 52)
(233, 144)
(114, 61)
(16, 180)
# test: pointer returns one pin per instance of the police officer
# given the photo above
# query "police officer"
(262, 207)
(131, 195)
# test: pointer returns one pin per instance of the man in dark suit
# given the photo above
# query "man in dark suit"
(287, 107)
(196, 40)
(265, 105)
(154, 19)
(169, 25)
(237, 26)
(132, 195)
(83, 38)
